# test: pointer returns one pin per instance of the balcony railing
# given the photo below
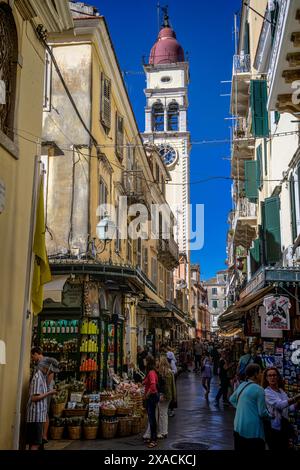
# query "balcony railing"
(134, 185)
(241, 64)
(245, 208)
(168, 252)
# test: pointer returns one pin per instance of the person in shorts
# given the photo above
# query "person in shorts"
(37, 405)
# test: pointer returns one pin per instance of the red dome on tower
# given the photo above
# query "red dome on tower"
(167, 49)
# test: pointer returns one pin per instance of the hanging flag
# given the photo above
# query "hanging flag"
(41, 273)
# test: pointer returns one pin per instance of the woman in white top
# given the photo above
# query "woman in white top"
(206, 373)
(279, 404)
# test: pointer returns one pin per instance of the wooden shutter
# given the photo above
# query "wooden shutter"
(154, 271)
(259, 167)
(250, 180)
(119, 136)
(259, 97)
(105, 101)
(266, 156)
(293, 208)
(145, 260)
(246, 39)
(271, 229)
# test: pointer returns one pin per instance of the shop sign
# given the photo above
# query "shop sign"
(277, 312)
(2, 196)
(256, 283)
(264, 331)
(72, 295)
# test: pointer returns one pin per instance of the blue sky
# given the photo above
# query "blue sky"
(205, 30)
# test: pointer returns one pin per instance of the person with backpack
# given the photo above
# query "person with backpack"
(167, 391)
(244, 361)
(251, 409)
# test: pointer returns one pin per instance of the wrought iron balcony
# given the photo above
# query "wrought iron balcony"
(134, 186)
(241, 63)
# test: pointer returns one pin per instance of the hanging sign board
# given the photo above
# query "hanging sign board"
(277, 312)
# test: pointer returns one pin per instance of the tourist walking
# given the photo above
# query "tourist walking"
(167, 391)
(152, 398)
(37, 405)
(198, 350)
(173, 363)
(280, 434)
(206, 373)
(224, 366)
(249, 401)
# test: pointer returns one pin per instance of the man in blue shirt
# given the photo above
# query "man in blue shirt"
(250, 404)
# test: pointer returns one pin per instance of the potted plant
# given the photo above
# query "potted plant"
(74, 427)
(57, 426)
(60, 399)
(90, 427)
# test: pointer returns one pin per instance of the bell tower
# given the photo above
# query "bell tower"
(167, 78)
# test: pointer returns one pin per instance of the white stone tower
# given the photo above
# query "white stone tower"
(167, 77)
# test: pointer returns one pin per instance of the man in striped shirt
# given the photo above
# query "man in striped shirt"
(37, 403)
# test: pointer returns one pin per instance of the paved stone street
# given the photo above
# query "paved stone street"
(196, 426)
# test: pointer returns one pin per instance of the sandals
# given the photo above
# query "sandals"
(152, 444)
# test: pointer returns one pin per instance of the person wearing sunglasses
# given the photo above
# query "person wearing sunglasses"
(280, 434)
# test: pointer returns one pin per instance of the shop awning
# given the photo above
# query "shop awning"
(154, 297)
(231, 318)
(53, 290)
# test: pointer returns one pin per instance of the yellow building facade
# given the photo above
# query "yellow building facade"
(21, 105)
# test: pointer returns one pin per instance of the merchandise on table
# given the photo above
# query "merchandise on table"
(291, 376)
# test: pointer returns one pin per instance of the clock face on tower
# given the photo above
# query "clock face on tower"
(168, 154)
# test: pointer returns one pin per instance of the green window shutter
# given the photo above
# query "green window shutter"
(276, 117)
(266, 156)
(272, 236)
(259, 169)
(255, 251)
(259, 97)
(293, 207)
(250, 180)
(246, 39)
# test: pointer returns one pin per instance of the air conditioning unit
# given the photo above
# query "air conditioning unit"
(287, 257)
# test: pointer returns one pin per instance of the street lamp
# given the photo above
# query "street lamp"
(105, 231)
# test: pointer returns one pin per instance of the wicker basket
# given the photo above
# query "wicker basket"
(90, 432)
(135, 425)
(124, 427)
(74, 413)
(108, 412)
(56, 432)
(109, 429)
(124, 411)
(57, 409)
(74, 432)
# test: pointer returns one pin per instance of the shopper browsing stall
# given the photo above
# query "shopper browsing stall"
(152, 398)
(167, 394)
(281, 432)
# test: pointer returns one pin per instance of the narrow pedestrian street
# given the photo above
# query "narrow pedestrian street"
(196, 425)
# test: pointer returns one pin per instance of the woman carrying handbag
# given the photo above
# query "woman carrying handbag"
(280, 434)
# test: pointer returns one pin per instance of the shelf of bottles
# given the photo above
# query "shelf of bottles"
(103, 361)
(59, 338)
(89, 352)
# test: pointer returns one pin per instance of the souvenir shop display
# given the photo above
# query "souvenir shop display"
(291, 376)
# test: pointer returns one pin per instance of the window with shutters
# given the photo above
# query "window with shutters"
(145, 260)
(105, 114)
(139, 253)
(259, 98)
(293, 208)
(8, 70)
(271, 229)
(259, 167)
(161, 281)
(173, 116)
(266, 156)
(154, 271)
(214, 304)
(103, 198)
(158, 117)
(157, 173)
(129, 250)
(255, 256)
(169, 286)
(119, 136)
(118, 239)
(251, 190)
(214, 291)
